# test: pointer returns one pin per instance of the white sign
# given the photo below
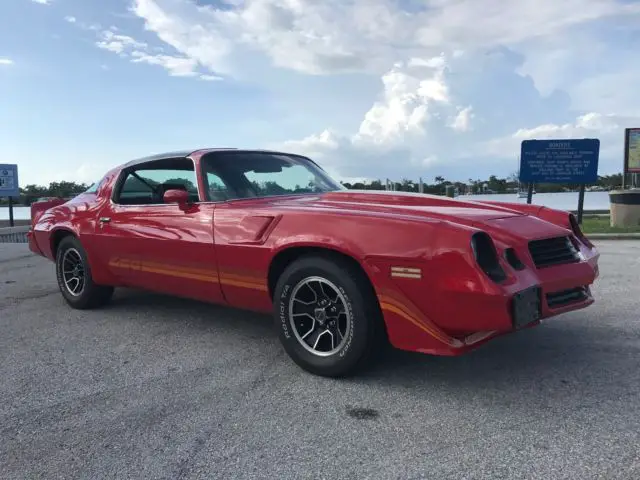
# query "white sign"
(9, 181)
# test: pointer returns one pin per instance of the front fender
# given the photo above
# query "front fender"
(417, 269)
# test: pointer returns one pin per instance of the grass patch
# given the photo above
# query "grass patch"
(593, 224)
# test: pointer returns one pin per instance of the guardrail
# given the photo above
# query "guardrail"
(14, 234)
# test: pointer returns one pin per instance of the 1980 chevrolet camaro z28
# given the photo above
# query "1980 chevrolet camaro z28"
(344, 273)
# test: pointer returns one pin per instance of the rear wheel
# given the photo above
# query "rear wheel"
(74, 277)
(327, 315)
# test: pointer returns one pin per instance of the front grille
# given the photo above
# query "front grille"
(566, 297)
(553, 251)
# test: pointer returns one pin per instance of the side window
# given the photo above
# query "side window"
(218, 190)
(147, 184)
(294, 179)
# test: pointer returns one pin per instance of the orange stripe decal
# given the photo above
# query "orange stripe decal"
(236, 283)
(206, 275)
(245, 281)
(164, 269)
(392, 305)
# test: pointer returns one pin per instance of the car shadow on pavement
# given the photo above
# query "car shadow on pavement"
(561, 363)
(200, 315)
(566, 352)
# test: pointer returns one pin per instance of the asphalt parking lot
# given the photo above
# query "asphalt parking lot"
(158, 387)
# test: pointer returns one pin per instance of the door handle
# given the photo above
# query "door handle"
(104, 220)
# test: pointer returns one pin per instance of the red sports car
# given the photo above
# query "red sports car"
(343, 272)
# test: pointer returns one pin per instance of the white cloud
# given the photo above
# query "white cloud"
(358, 35)
(70, 19)
(407, 104)
(462, 82)
(210, 78)
(42, 2)
(422, 125)
(608, 128)
(176, 66)
(205, 43)
(118, 43)
(462, 122)
(6, 61)
(139, 52)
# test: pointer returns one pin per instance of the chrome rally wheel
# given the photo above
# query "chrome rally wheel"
(319, 317)
(73, 273)
(327, 315)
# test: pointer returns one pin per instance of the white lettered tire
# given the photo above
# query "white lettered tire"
(327, 315)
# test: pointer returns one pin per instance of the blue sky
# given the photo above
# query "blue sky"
(362, 86)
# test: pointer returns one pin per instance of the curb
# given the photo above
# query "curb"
(613, 236)
(13, 238)
(14, 234)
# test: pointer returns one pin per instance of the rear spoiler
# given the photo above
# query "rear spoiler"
(39, 208)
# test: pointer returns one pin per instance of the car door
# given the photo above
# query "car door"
(159, 246)
(252, 181)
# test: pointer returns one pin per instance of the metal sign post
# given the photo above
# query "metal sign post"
(560, 161)
(9, 186)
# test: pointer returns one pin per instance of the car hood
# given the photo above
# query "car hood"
(404, 203)
(502, 221)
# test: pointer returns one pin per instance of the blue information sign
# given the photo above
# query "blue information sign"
(560, 161)
(9, 180)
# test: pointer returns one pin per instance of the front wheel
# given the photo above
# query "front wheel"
(327, 315)
(74, 277)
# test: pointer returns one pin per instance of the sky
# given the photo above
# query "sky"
(367, 88)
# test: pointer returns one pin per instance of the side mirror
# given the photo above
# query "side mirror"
(181, 197)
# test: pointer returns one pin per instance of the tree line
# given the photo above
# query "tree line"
(477, 186)
(31, 193)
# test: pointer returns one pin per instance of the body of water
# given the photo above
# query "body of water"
(561, 201)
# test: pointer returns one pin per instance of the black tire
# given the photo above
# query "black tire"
(360, 343)
(90, 295)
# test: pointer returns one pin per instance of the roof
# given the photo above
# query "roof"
(187, 153)
(167, 155)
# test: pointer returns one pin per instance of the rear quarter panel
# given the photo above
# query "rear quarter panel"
(78, 217)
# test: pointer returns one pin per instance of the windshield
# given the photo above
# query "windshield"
(232, 175)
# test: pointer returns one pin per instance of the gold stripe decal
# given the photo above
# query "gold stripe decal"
(392, 305)
(194, 273)
(406, 272)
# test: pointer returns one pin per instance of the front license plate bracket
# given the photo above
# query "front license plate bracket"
(526, 307)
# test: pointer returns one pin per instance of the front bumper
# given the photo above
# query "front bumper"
(532, 305)
(453, 314)
(526, 307)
